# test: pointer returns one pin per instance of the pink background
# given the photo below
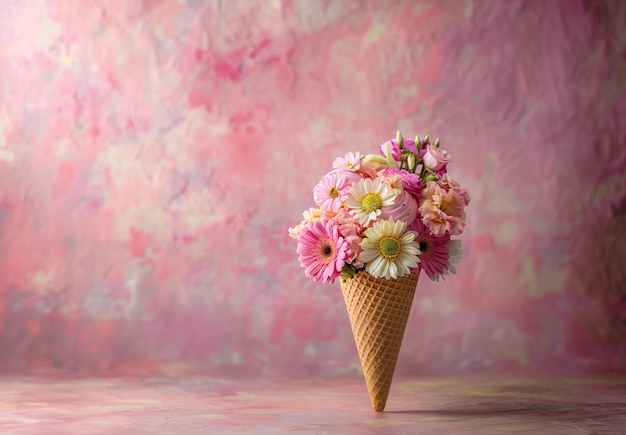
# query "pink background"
(153, 154)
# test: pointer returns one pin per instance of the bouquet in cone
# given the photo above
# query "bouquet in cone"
(380, 221)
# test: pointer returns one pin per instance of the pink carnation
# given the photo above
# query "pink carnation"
(350, 229)
(442, 206)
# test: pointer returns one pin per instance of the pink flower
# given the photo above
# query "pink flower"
(333, 189)
(372, 164)
(310, 215)
(396, 152)
(322, 251)
(404, 208)
(442, 206)
(436, 158)
(350, 229)
(455, 251)
(393, 180)
(434, 255)
(412, 183)
(447, 182)
(351, 162)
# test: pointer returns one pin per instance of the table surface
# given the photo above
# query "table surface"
(419, 405)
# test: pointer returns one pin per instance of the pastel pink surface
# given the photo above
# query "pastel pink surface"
(153, 155)
(459, 405)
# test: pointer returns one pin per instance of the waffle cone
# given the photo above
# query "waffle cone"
(378, 311)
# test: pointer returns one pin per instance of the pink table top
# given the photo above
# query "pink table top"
(425, 405)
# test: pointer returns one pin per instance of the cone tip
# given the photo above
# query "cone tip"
(379, 405)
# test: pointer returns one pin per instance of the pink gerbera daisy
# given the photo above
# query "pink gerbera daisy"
(322, 251)
(333, 189)
(434, 254)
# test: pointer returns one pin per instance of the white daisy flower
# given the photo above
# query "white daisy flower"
(367, 198)
(389, 251)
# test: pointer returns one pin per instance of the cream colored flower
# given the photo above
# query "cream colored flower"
(389, 251)
(367, 198)
(310, 215)
(374, 160)
(372, 164)
(386, 148)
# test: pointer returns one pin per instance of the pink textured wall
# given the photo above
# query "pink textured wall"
(153, 154)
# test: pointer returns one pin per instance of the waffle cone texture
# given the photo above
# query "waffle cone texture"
(378, 311)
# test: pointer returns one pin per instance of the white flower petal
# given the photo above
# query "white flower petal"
(367, 255)
(376, 267)
(389, 268)
(408, 237)
(392, 270)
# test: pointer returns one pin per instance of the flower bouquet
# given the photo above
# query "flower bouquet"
(382, 219)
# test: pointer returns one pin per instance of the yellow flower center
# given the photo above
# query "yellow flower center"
(389, 247)
(349, 164)
(371, 202)
(333, 192)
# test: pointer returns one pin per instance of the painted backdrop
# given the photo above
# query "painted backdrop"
(154, 153)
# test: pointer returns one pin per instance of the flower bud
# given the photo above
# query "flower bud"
(436, 158)
(399, 140)
(411, 162)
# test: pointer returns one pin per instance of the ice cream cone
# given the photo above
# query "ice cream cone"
(378, 311)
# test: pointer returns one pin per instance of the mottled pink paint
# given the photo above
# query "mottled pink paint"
(153, 154)
(460, 405)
